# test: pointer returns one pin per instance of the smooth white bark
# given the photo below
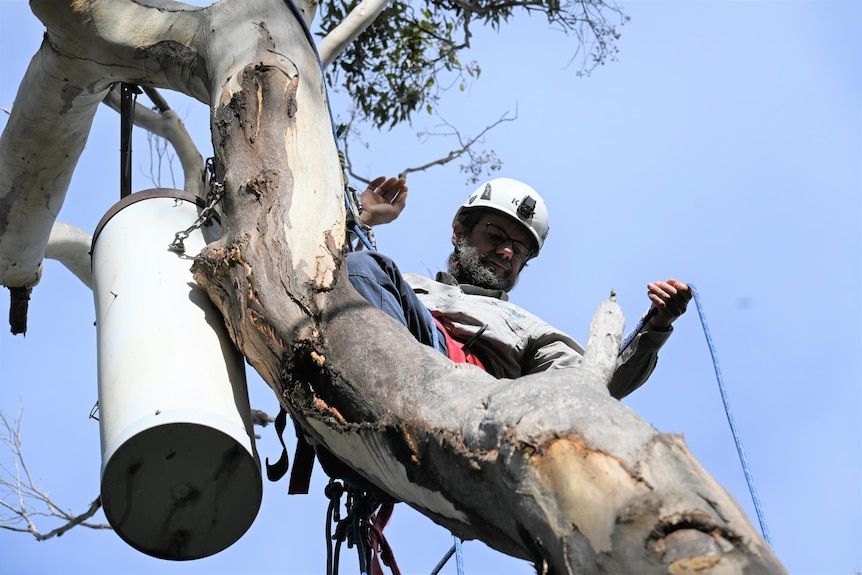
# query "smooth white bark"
(360, 18)
(71, 247)
(46, 132)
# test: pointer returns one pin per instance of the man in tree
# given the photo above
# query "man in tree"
(465, 312)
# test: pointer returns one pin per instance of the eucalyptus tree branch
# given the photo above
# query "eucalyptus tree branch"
(71, 247)
(360, 18)
(23, 502)
(478, 160)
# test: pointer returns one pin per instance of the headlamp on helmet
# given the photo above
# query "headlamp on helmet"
(514, 199)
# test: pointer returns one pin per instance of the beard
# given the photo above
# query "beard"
(468, 266)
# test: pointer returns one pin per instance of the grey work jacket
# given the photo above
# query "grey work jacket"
(516, 342)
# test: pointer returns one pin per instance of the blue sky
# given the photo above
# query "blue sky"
(724, 148)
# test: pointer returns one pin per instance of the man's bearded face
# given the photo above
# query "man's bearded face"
(487, 270)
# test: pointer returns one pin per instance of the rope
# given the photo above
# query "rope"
(333, 491)
(362, 526)
(638, 326)
(459, 561)
(443, 561)
(736, 438)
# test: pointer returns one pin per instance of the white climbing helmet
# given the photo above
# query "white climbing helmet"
(515, 199)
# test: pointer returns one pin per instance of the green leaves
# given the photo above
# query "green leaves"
(413, 52)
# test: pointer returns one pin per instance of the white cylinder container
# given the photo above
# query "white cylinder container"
(180, 474)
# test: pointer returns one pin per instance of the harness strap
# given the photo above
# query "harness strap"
(380, 548)
(277, 470)
(458, 352)
(303, 459)
(303, 463)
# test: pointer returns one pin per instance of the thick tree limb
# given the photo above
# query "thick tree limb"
(37, 168)
(71, 247)
(66, 81)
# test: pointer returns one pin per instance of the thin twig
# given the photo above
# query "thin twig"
(31, 502)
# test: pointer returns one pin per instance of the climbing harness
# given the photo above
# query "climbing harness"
(736, 437)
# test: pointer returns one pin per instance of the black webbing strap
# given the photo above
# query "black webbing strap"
(303, 463)
(303, 459)
(277, 470)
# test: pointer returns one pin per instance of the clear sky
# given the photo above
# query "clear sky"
(724, 148)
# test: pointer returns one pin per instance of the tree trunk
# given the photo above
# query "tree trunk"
(548, 467)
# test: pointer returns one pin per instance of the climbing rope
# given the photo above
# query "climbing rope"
(736, 438)
(637, 328)
(362, 526)
(456, 551)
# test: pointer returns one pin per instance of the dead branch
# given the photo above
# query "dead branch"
(479, 161)
(23, 502)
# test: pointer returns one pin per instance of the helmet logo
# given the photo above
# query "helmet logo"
(527, 207)
(486, 193)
